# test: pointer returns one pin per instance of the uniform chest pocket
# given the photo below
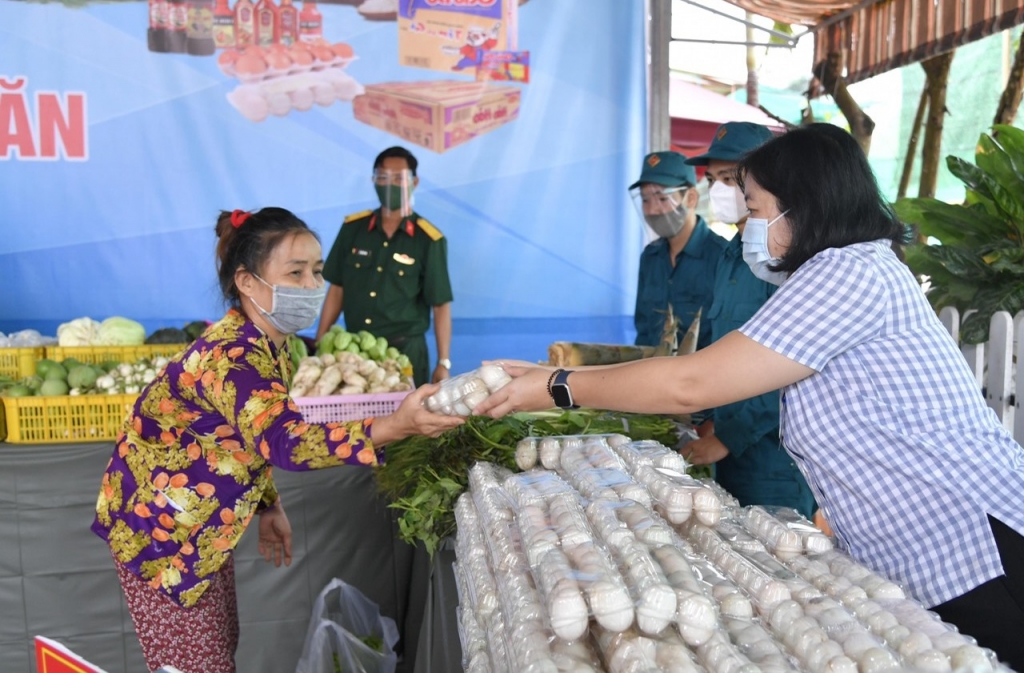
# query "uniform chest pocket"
(359, 263)
(404, 273)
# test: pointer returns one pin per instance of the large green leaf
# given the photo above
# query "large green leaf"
(1003, 259)
(951, 223)
(1004, 182)
(1006, 297)
(1011, 139)
(969, 174)
(962, 263)
(947, 289)
(980, 262)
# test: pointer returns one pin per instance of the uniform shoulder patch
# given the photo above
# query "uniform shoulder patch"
(358, 216)
(430, 230)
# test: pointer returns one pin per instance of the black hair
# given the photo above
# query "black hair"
(397, 153)
(245, 241)
(821, 179)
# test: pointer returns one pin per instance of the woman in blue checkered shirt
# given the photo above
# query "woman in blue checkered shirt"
(915, 474)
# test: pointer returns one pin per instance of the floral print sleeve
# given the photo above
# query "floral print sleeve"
(193, 464)
(244, 384)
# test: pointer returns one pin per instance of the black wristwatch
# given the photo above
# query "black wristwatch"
(559, 389)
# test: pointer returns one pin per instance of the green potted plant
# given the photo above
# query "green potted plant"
(978, 261)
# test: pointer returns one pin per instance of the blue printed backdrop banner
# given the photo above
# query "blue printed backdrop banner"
(118, 148)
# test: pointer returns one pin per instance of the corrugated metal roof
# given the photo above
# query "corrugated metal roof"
(874, 36)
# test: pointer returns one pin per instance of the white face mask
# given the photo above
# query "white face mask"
(755, 250)
(727, 202)
(292, 309)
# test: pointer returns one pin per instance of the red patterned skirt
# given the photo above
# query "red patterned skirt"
(200, 639)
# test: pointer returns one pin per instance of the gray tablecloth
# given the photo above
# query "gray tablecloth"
(57, 578)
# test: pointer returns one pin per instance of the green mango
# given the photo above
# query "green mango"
(18, 390)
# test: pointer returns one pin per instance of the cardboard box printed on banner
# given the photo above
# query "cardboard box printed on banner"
(438, 115)
(453, 35)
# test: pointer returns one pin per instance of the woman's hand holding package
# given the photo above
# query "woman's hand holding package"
(412, 418)
(528, 390)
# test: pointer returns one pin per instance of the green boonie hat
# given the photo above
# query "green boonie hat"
(668, 169)
(732, 141)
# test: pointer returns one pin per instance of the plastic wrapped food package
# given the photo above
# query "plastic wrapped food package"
(578, 562)
(460, 394)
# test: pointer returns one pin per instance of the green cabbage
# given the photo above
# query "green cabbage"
(119, 331)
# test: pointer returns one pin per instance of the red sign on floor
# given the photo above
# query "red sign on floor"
(52, 657)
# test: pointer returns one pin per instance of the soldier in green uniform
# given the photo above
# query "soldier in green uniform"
(388, 269)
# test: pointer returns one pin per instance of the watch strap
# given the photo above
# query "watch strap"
(446, 363)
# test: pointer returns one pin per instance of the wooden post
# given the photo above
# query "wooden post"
(915, 134)
(659, 36)
(937, 70)
(829, 73)
(1006, 112)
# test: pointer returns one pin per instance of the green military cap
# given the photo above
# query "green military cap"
(668, 169)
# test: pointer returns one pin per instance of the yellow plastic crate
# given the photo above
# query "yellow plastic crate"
(55, 420)
(20, 362)
(94, 355)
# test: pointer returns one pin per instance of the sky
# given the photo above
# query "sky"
(778, 67)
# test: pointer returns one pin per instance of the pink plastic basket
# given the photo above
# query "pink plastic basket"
(348, 407)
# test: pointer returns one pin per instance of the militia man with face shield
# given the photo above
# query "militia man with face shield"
(388, 270)
(679, 267)
(744, 444)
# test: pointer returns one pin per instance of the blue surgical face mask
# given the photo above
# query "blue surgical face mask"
(293, 309)
(755, 250)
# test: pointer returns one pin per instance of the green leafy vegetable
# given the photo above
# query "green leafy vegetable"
(423, 476)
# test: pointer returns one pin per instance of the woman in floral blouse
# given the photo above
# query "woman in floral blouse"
(192, 465)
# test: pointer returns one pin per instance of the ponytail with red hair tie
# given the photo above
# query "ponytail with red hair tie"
(238, 217)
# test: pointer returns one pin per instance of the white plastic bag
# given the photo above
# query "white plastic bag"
(347, 634)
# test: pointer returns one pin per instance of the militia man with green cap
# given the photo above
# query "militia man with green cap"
(388, 270)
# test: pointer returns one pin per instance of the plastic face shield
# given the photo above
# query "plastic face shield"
(394, 189)
(662, 208)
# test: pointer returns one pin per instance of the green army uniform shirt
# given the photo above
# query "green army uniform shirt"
(390, 284)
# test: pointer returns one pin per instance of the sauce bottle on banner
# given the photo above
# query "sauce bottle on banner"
(223, 25)
(199, 33)
(266, 23)
(288, 23)
(158, 34)
(179, 26)
(311, 23)
(245, 23)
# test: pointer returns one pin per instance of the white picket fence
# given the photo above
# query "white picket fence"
(993, 364)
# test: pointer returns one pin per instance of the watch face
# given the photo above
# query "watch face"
(562, 396)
